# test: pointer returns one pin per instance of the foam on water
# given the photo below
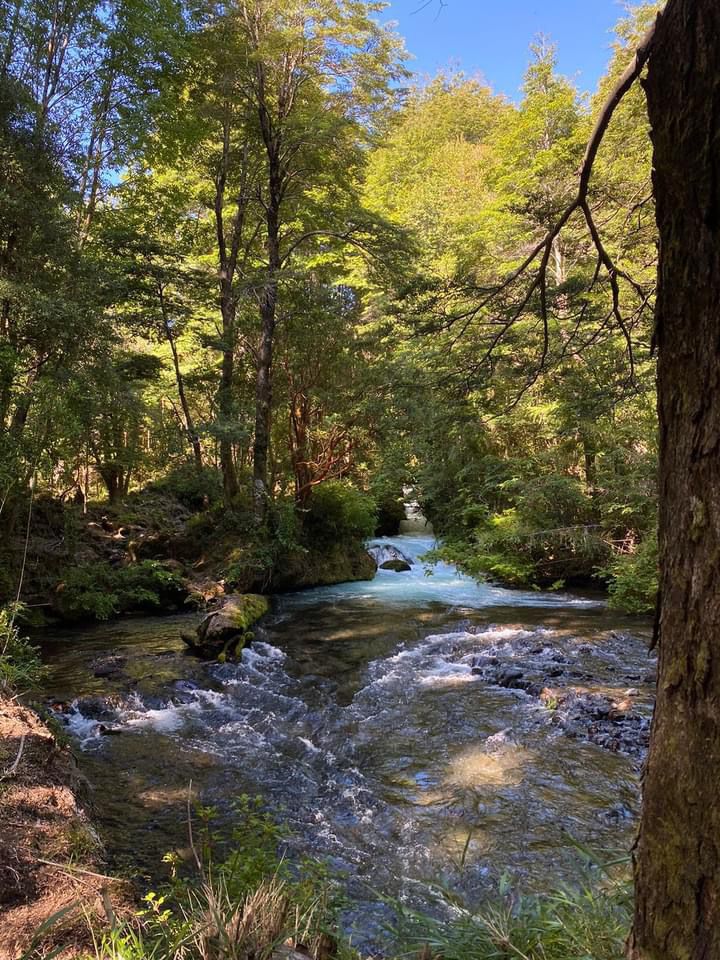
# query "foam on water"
(383, 753)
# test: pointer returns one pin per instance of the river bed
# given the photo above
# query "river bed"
(406, 729)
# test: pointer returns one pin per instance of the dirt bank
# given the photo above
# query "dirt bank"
(50, 856)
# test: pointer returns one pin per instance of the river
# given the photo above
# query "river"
(396, 725)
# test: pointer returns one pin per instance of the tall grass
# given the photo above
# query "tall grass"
(590, 922)
(250, 905)
(20, 665)
(253, 905)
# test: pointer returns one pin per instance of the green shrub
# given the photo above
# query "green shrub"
(477, 559)
(338, 513)
(99, 592)
(634, 579)
(390, 514)
(507, 549)
(195, 489)
(554, 501)
(20, 666)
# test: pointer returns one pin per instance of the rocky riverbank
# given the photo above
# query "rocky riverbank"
(614, 717)
(157, 554)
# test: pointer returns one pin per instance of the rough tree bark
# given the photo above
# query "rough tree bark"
(677, 856)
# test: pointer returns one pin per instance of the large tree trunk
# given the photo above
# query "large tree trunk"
(677, 858)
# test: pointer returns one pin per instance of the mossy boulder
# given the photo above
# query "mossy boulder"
(399, 566)
(224, 633)
(339, 563)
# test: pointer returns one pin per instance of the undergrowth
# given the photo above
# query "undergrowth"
(244, 905)
(254, 904)
(20, 665)
(100, 592)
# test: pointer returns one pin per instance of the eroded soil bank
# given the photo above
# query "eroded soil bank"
(51, 858)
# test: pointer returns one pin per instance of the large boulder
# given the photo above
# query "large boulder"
(338, 563)
(399, 566)
(383, 553)
(225, 632)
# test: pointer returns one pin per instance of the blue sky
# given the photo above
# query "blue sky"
(492, 36)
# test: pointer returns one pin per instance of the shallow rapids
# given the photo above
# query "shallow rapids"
(414, 731)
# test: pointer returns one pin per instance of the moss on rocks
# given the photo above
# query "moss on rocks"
(224, 633)
(339, 563)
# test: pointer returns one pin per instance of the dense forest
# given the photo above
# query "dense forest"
(247, 261)
(263, 290)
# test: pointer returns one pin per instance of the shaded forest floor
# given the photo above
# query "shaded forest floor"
(158, 553)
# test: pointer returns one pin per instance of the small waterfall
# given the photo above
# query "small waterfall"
(415, 524)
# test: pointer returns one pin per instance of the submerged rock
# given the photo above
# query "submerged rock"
(399, 566)
(226, 631)
(111, 667)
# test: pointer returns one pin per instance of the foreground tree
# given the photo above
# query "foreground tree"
(677, 856)
(677, 861)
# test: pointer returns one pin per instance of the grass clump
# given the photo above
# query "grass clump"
(590, 922)
(20, 666)
(245, 905)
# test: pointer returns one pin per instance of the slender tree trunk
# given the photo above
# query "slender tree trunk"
(189, 422)
(677, 856)
(226, 405)
(263, 388)
(299, 423)
(590, 460)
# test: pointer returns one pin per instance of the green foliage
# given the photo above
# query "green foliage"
(195, 489)
(99, 591)
(338, 513)
(634, 578)
(551, 502)
(589, 922)
(21, 668)
(245, 905)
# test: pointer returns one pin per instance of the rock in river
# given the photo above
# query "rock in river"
(224, 632)
(399, 566)
(383, 553)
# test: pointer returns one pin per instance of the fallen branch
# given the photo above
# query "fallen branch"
(12, 770)
(71, 869)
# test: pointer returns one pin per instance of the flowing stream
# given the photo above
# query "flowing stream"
(402, 727)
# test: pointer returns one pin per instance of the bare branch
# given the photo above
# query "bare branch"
(541, 252)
